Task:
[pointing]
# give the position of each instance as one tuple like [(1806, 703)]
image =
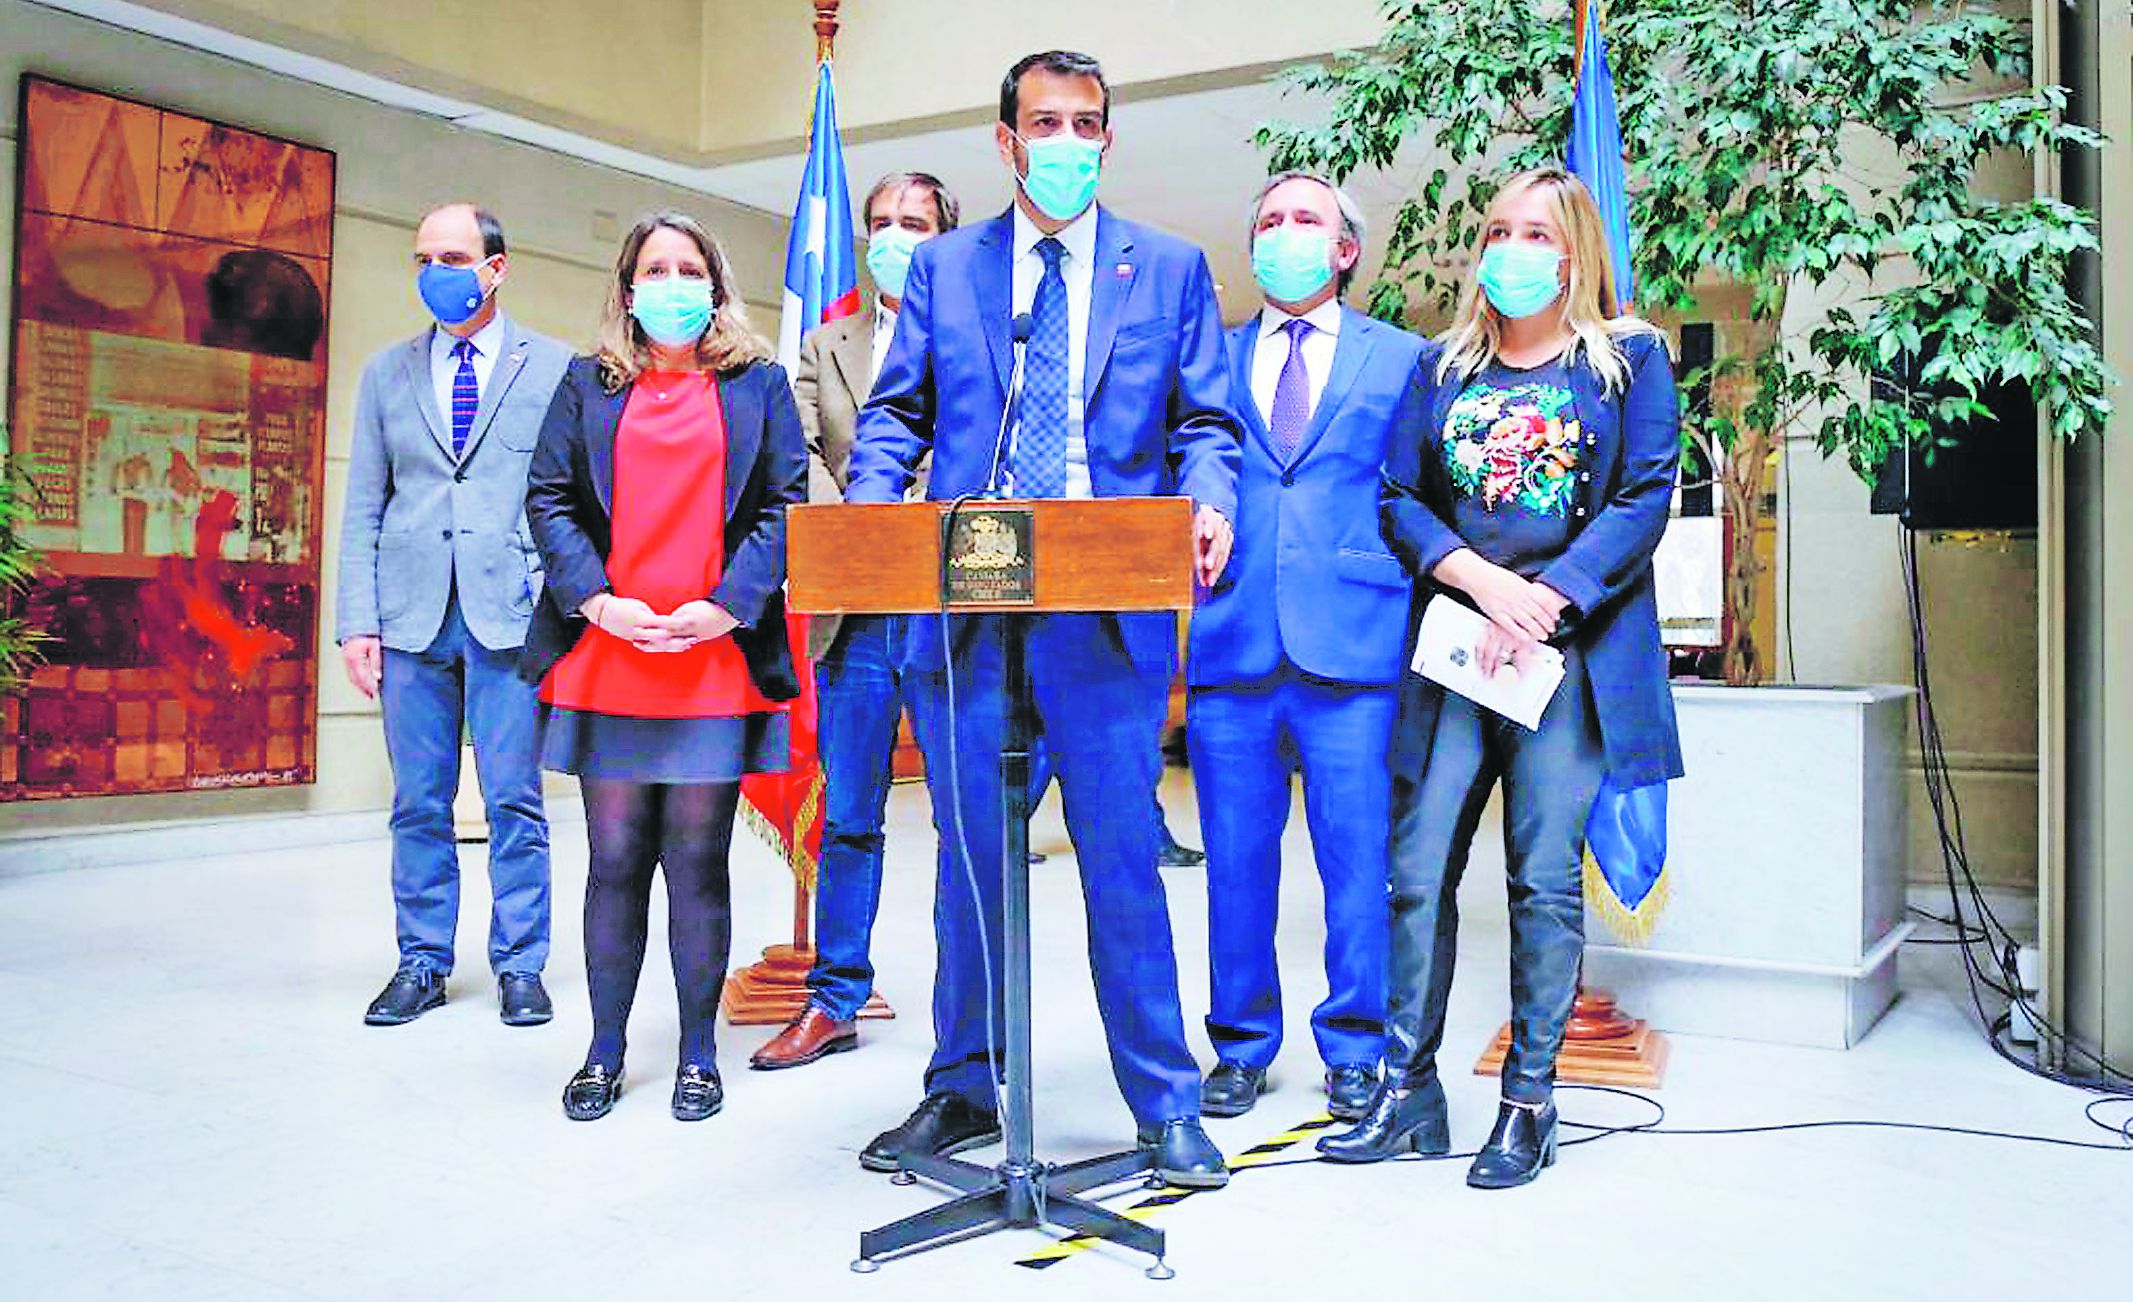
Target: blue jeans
[(860, 698), (427, 698), (1245, 738), (1099, 715)]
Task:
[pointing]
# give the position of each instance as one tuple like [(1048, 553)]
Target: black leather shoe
[(591, 1093), (522, 1000), (1231, 1089), (1173, 855), (698, 1092), (1185, 1156), (1520, 1146), (413, 991), (1402, 1119), (943, 1124), (1350, 1088)]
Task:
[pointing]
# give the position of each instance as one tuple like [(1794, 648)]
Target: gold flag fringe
[(797, 857), (1632, 926)]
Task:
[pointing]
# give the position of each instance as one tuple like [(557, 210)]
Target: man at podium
[(1125, 392)]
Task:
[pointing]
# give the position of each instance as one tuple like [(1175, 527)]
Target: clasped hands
[(646, 629), (1522, 612)]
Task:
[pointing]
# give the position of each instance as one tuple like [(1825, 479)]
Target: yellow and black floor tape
[(1170, 1195)]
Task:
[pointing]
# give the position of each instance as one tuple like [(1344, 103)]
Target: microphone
[(1020, 330)]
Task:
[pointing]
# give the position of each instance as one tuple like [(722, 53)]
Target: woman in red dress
[(657, 498)]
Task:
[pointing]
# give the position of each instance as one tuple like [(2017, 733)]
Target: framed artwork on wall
[(166, 411)]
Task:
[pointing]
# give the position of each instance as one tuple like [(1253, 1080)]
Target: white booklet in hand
[(1444, 653)]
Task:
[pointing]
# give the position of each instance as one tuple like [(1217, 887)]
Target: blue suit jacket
[(1310, 576), (1632, 452), (1158, 418)]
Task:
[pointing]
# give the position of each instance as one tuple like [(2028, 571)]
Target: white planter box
[(1786, 848)]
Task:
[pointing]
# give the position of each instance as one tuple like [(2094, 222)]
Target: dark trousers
[(1245, 738), (685, 829), (858, 686), (1099, 715), (1550, 778)]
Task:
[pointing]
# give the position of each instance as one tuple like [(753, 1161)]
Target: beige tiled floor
[(194, 1111)]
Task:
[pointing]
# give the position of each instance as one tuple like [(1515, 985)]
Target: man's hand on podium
[(1211, 538)]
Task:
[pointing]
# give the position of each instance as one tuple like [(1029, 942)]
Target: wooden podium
[(1008, 559)]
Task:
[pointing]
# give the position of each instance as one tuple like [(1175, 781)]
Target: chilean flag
[(821, 278), (821, 284)]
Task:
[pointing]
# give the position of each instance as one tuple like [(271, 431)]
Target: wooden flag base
[(774, 991), (1602, 1046)]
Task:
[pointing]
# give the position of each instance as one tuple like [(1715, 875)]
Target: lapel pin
[(1123, 270)]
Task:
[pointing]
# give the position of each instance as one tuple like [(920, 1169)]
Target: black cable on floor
[(1656, 1126)]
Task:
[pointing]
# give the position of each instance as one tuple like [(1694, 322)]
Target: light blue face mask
[(889, 258), (1520, 279), (1062, 174), (674, 310), (1291, 262)]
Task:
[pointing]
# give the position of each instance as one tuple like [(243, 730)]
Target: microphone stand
[(1020, 1192)]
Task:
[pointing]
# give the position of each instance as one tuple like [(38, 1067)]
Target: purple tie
[(1292, 393)]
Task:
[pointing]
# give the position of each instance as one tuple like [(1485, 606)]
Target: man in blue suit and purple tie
[(1126, 393), (1296, 658)]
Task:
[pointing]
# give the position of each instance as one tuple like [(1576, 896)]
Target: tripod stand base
[(1016, 1196)]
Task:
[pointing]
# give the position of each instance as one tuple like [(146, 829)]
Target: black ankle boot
[(1522, 1143), (1402, 1118)]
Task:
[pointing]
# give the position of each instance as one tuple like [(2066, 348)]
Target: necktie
[(466, 396), (1292, 393), (1040, 442)]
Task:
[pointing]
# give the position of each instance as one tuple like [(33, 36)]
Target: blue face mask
[(674, 310), (452, 294), (889, 258), (1520, 279), (1062, 174), (1291, 263)]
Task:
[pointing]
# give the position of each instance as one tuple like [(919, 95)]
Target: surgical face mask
[(1292, 262), (674, 310), (889, 258), (452, 294), (1520, 279), (1061, 179)]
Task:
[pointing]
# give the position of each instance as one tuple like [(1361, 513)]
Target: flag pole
[(826, 24)]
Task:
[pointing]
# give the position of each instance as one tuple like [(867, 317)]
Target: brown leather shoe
[(805, 1038)]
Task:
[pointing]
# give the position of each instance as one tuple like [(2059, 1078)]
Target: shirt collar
[(486, 340), (884, 316), (1079, 236), (1325, 318)]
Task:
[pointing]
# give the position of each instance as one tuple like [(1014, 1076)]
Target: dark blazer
[(570, 494), (1632, 452), (1309, 577), (1158, 418)]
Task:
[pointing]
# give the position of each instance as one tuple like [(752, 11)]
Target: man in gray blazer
[(858, 679), (438, 578)]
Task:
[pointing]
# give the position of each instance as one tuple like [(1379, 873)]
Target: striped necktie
[(466, 396)]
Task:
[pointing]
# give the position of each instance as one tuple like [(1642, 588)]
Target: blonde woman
[(657, 498), (1534, 493)]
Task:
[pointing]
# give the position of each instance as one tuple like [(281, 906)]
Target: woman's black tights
[(633, 827)]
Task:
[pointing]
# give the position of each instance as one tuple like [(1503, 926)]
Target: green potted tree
[(20, 642), (1787, 151)]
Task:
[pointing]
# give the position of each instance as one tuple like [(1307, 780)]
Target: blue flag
[(1596, 152), (821, 273), (1625, 839)]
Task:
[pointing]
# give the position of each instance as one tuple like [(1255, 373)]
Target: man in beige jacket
[(857, 657)]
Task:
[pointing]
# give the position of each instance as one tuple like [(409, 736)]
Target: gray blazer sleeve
[(370, 486)]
